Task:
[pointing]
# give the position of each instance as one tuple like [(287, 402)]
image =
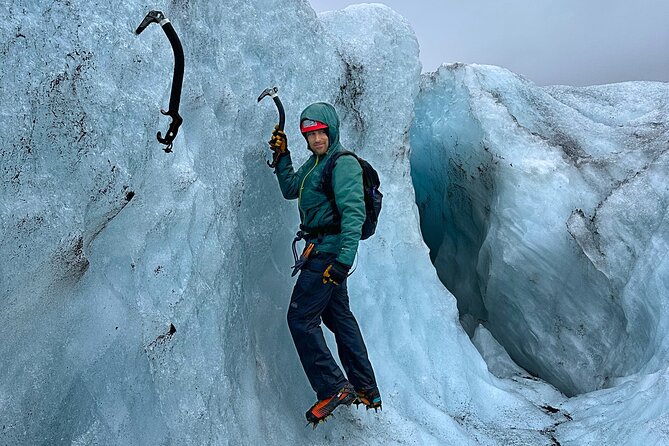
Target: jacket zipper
[(299, 198)]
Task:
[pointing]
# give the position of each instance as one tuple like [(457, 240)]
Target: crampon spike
[(315, 424)]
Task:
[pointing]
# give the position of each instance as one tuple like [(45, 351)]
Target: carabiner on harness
[(302, 259)]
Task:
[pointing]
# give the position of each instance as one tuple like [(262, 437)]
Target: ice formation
[(546, 213), (530, 177), (144, 294)]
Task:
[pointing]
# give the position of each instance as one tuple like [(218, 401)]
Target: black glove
[(336, 273), (279, 141)]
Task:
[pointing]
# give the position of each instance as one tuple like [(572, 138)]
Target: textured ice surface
[(546, 213), (144, 294)]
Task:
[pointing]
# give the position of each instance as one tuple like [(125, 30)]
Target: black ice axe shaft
[(272, 92), (177, 80)]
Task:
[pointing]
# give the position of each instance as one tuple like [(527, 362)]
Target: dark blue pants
[(311, 302)]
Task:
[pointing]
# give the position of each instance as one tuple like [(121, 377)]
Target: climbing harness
[(272, 92), (301, 260), (177, 81)]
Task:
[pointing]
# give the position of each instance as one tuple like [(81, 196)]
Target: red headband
[(309, 125)]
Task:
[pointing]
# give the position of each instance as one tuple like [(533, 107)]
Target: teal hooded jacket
[(314, 206)]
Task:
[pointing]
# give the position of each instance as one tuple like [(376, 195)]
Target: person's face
[(318, 141)]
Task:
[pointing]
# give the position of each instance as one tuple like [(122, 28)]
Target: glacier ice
[(533, 176), (545, 210), (144, 294)]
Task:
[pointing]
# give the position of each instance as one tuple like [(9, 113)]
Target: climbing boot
[(371, 398), (324, 408)]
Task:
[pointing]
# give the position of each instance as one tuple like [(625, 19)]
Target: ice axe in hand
[(272, 92), (177, 81)]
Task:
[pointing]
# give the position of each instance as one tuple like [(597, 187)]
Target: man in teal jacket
[(320, 292)]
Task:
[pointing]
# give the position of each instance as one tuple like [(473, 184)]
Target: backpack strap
[(326, 180)]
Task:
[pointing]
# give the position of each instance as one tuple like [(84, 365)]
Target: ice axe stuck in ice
[(177, 81), (272, 92)]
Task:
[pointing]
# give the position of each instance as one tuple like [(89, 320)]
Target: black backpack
[(370, 183)]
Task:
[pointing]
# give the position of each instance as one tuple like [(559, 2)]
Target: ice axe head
[(272, 91), (151, 17)]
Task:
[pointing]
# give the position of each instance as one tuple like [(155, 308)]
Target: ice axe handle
[(177, 78), (282, 114)]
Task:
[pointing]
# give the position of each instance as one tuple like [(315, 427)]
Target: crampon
[(371, 398), (323, 409)]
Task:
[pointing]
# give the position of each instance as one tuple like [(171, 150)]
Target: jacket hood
[(325, 113)]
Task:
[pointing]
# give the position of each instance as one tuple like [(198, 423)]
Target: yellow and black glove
[(336, 273), (279, 142)]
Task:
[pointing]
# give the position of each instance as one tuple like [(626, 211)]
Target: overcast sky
[(573, 42)]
